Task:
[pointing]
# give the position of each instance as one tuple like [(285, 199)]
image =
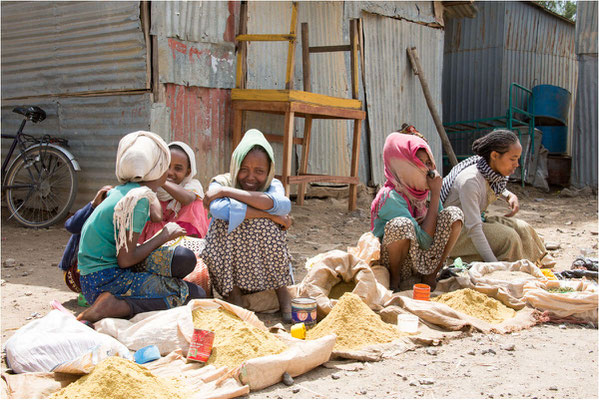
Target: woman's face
[(422, 155), (253, 171), (506, 163), (179, 167)]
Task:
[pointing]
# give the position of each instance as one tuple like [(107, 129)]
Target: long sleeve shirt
[(472, 193), (74, 226), (234, 211)]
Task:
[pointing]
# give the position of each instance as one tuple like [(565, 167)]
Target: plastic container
[(298, 331), (552, 104), (555, 138), (407, 323), (146, 354), (421, 292)]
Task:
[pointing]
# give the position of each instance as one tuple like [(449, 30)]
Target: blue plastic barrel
[(552, 104), (555, 138)]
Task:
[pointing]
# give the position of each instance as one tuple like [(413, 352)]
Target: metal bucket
[(555, 138)]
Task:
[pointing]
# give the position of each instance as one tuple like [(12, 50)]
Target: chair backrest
[(352, 47), (243, 38)]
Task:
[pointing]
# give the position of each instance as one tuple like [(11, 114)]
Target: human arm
[(471, 195), (155, 211), (283, 220), (75, 223), (179, 193), (397, 206), (132, 254), (429, 224), (512, 201)]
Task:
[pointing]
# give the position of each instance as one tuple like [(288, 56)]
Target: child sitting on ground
[(119, 277), (181, 196)]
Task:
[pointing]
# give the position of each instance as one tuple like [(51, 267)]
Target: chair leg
[(301, 190), (237, 122), (287, 148), (355, 161)]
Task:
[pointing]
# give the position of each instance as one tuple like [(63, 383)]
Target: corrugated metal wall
[(196, 63), (53, 50), (506, 42), (93, 125), (586, 127), (394, 94)]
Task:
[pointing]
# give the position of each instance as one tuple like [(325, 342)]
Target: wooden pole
[(417, 68)]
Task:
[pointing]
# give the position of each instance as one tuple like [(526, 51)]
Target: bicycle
[(40, 184)]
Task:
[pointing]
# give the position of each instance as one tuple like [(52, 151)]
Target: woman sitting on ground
[(246, 245), (119, 277), (181, 196), (477, 182), (416, 238)]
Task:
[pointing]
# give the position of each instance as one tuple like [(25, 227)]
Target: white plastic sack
[(55, 339)]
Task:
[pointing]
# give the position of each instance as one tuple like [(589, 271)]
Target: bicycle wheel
[(41, 186)]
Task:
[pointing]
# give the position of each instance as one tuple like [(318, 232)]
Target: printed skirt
[(254, 256), (419, 261), (151, 279)]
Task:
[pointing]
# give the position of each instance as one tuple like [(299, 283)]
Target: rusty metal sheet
[(93, 125), (56, 48), (200, 117), (393, 92), (196, 21), (586, 27), (196, 64), (415, 11)]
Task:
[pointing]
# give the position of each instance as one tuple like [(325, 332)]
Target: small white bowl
[(407, 323)]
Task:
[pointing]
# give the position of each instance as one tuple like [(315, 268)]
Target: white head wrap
[(141, 157), (188, 183)]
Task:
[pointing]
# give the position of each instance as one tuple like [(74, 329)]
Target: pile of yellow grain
[(118, 378), (476, 304), (235, 341), (355, 325)]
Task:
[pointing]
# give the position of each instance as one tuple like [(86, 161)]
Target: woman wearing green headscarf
[(246, 244)]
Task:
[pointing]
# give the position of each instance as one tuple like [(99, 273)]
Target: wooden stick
[(417, 68)]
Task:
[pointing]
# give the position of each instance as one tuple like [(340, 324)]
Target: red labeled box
[(200, 347)]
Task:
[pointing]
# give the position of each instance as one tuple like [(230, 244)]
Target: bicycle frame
[(16, 141)]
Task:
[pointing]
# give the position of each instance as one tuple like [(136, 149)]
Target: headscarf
[(405, 174), (188, 183), (497, 181), (252, 138), (141, 156)]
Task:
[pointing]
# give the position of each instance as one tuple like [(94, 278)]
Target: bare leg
[(284, 303), (431, 279), (398, 251), (234, 297), (106, 306)]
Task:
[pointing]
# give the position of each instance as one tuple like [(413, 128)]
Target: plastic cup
[(421, 292), (407, 323)]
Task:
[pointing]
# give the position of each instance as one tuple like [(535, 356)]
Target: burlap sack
[(328, 269), (581, 304), (442, 317)]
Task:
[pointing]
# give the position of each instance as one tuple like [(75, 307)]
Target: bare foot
[(105, 306), (234, 297)]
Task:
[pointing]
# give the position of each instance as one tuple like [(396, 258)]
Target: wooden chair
[(296, 103)]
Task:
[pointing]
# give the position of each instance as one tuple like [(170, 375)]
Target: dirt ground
[(548, 361)]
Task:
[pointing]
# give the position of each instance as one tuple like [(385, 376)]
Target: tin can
[(303, 309), (200, 347)]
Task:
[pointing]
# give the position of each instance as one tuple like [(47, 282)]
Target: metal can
[(303, 309)]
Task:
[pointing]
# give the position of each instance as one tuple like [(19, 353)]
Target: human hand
[(213, 193), (434, 181), (512, 200), (100, 196), (172, 231), (284, 220)]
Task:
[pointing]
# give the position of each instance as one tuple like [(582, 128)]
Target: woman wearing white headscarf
[(181, 196), (120, 278), (246, 245)]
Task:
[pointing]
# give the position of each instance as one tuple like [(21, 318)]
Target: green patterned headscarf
[(252, 138)]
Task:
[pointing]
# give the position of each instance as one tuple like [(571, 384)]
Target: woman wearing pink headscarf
[(416, 237)]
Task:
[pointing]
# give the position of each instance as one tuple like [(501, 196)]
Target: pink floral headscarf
[(405, 174)]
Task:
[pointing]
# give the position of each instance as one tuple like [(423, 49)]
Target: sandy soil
[(548, 361)]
